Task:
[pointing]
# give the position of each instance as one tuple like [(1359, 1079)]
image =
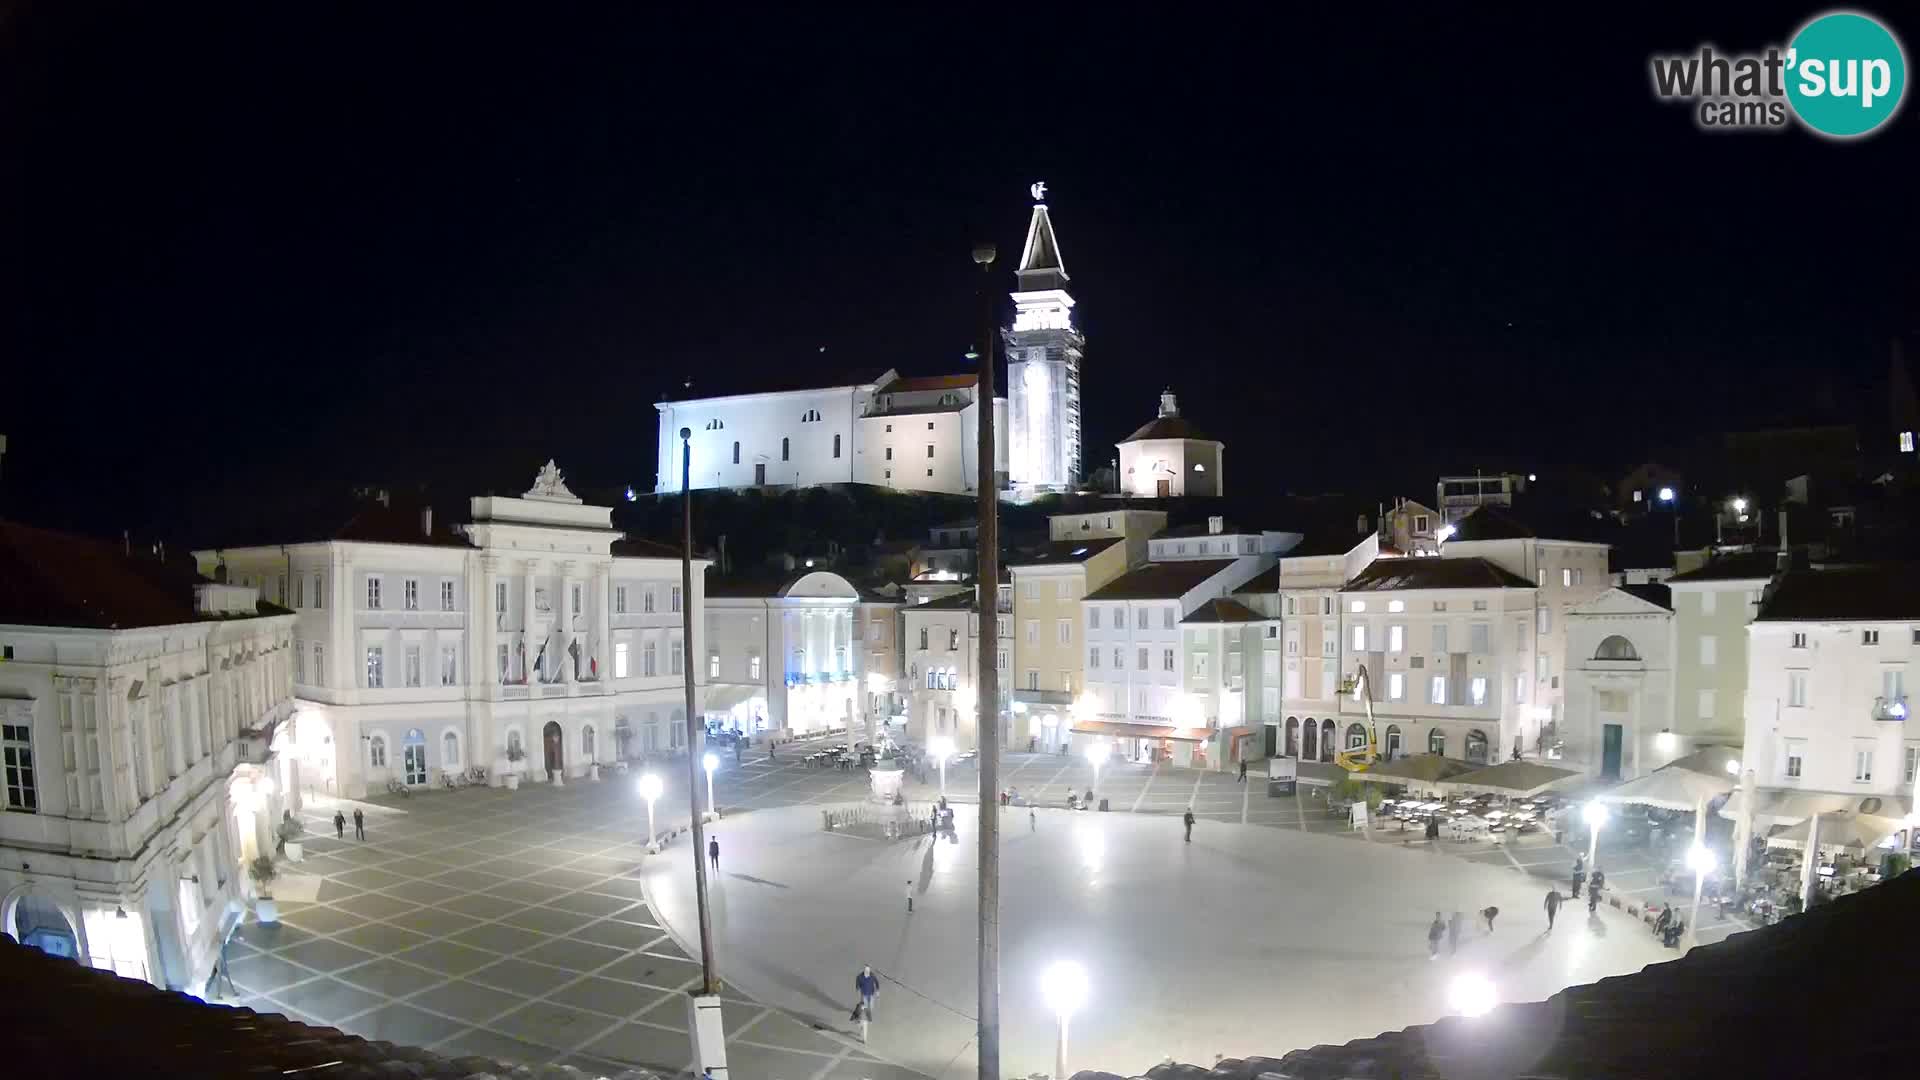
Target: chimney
[(426, 522), (1168, 407), (1216, 525)]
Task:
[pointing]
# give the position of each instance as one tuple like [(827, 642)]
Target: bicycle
[(477, 776), (396, 786)]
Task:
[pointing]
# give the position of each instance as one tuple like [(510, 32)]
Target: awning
[(1715, 761), (1778, 807), (1860, 832), (724, 696), (1237, 732), (1114, 730), (1510, 778), (1670, 788), (1414, 770)]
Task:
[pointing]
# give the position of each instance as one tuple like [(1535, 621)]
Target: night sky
[(291, 250)]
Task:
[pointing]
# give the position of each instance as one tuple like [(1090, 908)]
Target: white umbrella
[(1670, 788), (1857, 831), (1512, 778)]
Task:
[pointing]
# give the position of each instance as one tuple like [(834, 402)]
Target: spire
[(1040, 264), (1167, 405)]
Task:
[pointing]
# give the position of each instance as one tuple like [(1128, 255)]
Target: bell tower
[(1044, 353)]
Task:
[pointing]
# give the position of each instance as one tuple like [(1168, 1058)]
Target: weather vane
[(1039, 190)]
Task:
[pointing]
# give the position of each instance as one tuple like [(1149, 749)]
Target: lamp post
[(1097, 753), (650, 790), (1064, 985), (1595, 815), (711, 763), (704, 1022), (941, 747), (987, 686), (1700, 858)]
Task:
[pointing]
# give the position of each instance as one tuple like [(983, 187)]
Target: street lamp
[(1739, 505), (649, 785), (1097, 756), (711, 764), (941, 747), (1700, 859), (1471, 994), (1595, 815), (1666, 494), (1064, 985), (1733, 766)]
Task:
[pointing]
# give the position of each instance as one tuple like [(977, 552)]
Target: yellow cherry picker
[(1358, 758)]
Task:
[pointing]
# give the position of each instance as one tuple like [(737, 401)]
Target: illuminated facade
[(1044, 353), (1167, 458)]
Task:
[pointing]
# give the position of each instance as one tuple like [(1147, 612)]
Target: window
[(1440, 638), (1396, 686), (412, 665), (16, 749), (1359, 638), (650, 660), (299, 591), (1200, 665), (1437, 690), (1166, 659), (1033, 631), (1289, 605), (1477, 690), (673, 598), (1396, 606), (376, 667), (410, 594), (1032, 591), (1478, 636), (836, 445), (1140, 618), (1797, 689), (753, 666), (1862, 761), (953, 638), (676, 657), (1093, 658), (1396, 638), (619, 599), (1709, 650), (1065, 589), (1540, 577), (1439, 605), (373, 593), (786, 449), (377, 752), (1066, 631), (500, 598), (1479, 605), (889, 455), (501, 661), (446, 596), (1520, 689), (1893, 684), (319, 664), (646, 601), (1912, 763), (1437, 742), (1093, 618), (1293, 646), (1540, 666), (1705, 709), (1869, 637), (1708, 601), (1118, 659), (1357, 606), (1566, 578), (1329, 642), (1545, 620), (1143, 659), (1793, 758), (319, 594), (736, 451), (924, 633), (1906, 442), (449, 751), (1033, 677)]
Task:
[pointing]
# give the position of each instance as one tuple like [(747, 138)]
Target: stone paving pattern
[(512, 924)]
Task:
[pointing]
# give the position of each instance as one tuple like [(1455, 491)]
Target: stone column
[(603, 621), (486, 622), (530, 569), (563, 618)]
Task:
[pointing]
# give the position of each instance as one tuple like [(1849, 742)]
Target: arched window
[(923, 637), (836, 445), (513, 740), (1293, 736), (377, 752), (1393, 741), (1616, 647), (736, 451), (586, 742), (449, 751), (716, 425), (1326, 740), (1356, 737), (786, 449), (1437, 742), (1477, 746)]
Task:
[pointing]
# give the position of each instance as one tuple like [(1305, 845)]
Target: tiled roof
[(1063, 552), (1491, 523), (1161, 581), (82, 1021), (1267, 581), (1729, 1009), (960, 601), (1167, 427), (1888, 593), (1224, 611), (1739, 566), (912, 384), (52, 578), (1385, 574), (635, 547), (397, 522)]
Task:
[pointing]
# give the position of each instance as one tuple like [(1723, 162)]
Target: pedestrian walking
[(1489, 913), (1434, 933), (1553, 906), (1454, 926), (1033, 820), (1189, 820), (1579, 877), (339, 825), (713, 853), (359, 825), (1243, 771), (868, 985), (909, 896)]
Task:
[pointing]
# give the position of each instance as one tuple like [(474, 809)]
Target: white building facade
[(943, 665), (140, 725), (1167, 458), (784, 660), (533, 640), (1620, 721)]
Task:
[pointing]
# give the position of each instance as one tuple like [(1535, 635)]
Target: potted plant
[(263, 872), (515, 755), (291, 830)]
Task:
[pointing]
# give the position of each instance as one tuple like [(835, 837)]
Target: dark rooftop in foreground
[(1160, 581), (1738, 566), (50, 578), (1889, 592), (1802, 998), (1266, 581), (1222, 610), (1063, 551), (1430, 573)]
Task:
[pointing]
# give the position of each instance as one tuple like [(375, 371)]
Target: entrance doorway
[(413, 757), (1273, 740), (1610, 740), (550, 739), (1326, 740), (760, 474), (1309, 737), (38, 923), (1163, 487)]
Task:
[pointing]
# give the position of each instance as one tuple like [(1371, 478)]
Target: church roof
[(1040, 264), (1167, 427), (911, 384)]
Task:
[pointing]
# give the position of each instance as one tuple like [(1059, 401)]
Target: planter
[(266, 911), (593, 772), (295, 851), (513, 781), (557, 777)]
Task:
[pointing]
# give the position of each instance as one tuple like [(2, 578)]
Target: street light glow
[(1064, 985), (1666, 494), (1700, 859), (1097, 752), (1739, 506), (1471, 994), (649, 786), (1595, 814), (710, 762), (1733, 766)]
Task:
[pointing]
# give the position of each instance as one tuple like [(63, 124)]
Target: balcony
[(1042, 697), (1894, 709)]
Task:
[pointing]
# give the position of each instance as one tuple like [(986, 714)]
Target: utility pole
[(987, 699), (703, 1008)]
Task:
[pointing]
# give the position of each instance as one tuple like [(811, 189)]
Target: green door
[(1610, 751)]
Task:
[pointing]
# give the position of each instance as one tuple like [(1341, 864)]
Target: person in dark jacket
[(359, 825), (868, 984), (1434, 933), (1188, 818), (1553, 906), (713, 853), (339, 825)]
